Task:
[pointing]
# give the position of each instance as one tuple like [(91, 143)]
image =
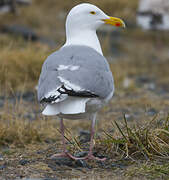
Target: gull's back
[(77, 72)]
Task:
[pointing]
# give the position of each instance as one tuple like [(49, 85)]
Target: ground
[(132, 130)]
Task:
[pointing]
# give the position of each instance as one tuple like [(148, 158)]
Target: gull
[(76, 81), (153, 14)]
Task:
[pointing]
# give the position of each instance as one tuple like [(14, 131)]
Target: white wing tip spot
[(69, 67), (69, 84)]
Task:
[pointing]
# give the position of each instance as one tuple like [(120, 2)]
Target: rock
[(142, 79), (23, 31), (116, 165), (29, 96), (151, 86), (146, 82), (27, 33), (152, 112), (129, 117), (23, 162), (153, 14), (38, 179), (81, 163), (1, 157), (2, 167), (127, 82), (24, 2), (2, 100), (98, 155), (84, 136), (11, 5), (4, 9), (63, 161), (81, 154)]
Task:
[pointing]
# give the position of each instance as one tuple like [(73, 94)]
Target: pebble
[(127, 82), (2, 167), (1, 157), (81, 154), (152, 112), (121, 166), (82, 163), (1, 101), (63, 161), (38, 179), (129, 117), (25, 32), (84, 136), (23, 162), (143, 79)]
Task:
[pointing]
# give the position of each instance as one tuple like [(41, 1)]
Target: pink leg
[(66, 154), (90, 154)]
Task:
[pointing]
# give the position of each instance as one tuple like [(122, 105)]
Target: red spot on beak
[(118, 24)]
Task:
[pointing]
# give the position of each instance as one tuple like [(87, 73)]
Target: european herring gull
[(76, 81), (153, 14)]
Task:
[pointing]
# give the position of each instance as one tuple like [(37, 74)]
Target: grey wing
[(65, 73), (95, 81), (52, 88)]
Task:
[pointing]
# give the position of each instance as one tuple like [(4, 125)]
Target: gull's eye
[(93, 12)]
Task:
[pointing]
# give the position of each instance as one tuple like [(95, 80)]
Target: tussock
[(147, 141)]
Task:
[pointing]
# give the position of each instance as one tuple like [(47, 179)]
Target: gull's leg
[(64, 153), (90, 154), (63, 136)]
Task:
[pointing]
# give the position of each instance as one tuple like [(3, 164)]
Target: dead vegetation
[(146, 141)]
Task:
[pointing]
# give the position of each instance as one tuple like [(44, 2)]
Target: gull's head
[(87, 16)]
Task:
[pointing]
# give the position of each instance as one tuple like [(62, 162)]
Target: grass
[(17, 130), (144, 141), (148, 141), (150, 170), (20, 62)]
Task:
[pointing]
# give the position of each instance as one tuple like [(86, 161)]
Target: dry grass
[(148, 141), (20, 64), (17, 129)]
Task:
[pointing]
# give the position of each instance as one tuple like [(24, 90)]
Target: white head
[(83, 21)]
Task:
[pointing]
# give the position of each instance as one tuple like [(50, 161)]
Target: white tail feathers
[(72, 105)]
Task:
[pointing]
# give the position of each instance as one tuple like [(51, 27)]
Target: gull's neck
[(83, 37)]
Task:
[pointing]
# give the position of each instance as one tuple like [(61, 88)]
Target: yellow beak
[(115, 22)]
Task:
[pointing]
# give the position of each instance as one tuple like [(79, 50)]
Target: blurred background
[(30, 30)]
